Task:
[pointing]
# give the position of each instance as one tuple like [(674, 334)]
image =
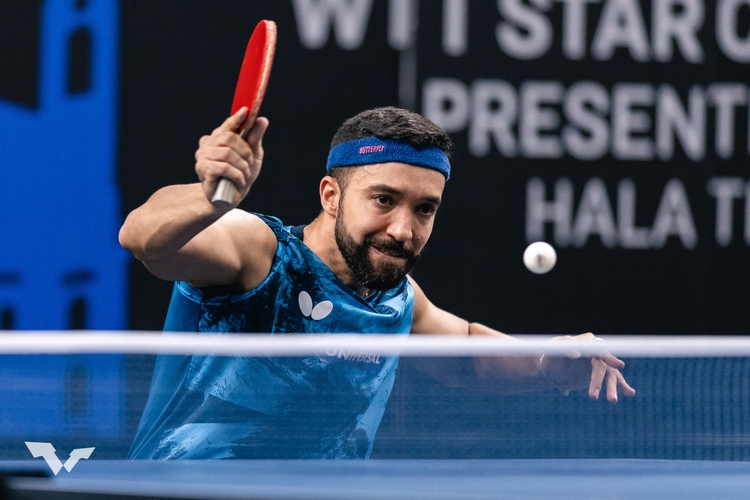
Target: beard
[(381, 276)]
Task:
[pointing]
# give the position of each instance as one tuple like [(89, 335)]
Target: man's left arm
[(514, 374)]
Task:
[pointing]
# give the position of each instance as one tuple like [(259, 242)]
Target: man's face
[(384, 219)]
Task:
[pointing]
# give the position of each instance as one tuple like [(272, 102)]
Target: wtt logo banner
[(47, 452)]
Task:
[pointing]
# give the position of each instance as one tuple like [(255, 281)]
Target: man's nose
[(400, 225)]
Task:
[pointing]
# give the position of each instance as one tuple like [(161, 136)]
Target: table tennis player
[(346, 271)]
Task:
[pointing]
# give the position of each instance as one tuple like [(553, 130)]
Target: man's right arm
[(179, 235)]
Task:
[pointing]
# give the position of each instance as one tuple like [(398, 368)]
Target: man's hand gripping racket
[(251, 86)]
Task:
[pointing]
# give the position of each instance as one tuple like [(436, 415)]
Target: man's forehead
[(399, 175)]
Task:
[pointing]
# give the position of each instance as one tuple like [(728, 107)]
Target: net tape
[(80, 342)]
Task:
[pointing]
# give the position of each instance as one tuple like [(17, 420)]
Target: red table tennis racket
[(251, 86)]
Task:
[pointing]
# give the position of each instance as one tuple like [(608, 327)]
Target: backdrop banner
[(616, 130)]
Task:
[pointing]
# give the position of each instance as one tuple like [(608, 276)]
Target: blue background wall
[(60, 264)]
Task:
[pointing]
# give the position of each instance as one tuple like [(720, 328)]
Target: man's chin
[(386, 279)]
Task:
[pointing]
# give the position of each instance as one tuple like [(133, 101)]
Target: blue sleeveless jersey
[(327, 406)]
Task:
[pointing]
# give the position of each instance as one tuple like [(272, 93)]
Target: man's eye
[(383, 200), (426, 209)]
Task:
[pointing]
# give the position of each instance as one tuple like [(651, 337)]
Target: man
[(344, 272)]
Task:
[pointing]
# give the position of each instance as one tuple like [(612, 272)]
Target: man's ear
[(330, 193)]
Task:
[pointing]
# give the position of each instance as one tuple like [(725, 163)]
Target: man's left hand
[(575, 372)]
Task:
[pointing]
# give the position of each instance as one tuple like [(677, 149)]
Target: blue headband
[(370, 150)]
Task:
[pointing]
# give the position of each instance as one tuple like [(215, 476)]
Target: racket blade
[(250, 89)]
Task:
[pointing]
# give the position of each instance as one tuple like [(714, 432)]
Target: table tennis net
[(89, 389)]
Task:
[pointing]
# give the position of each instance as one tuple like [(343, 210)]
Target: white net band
[(47, 342)]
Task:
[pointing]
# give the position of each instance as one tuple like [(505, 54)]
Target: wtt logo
[(47, 452)]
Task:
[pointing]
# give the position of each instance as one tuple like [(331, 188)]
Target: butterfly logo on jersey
[(320, 311)]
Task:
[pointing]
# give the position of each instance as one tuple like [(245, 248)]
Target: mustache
[(389, 246)]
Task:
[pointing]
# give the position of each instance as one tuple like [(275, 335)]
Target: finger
[(605, 356), (211, 171), (237, 154), (234, 122), (585, 336), (598, 370), (255, 137), (612, 379), (561, 338), (626, 389), (227, 138), (612, 361), (235, 143), (229, 156), (572, 354)]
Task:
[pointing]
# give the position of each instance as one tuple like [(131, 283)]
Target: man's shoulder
[(250, 223), (280, 230), (269, 220)]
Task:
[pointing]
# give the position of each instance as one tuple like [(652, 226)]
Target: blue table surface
[(610, 479)]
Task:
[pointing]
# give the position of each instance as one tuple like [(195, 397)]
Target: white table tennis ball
[(539, 257)]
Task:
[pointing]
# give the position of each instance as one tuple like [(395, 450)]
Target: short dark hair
[(396, 124), (389, 123)]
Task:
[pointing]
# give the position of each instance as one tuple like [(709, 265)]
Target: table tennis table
[(610, 479)]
